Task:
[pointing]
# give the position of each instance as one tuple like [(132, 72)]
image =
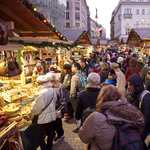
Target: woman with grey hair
[(44, 107)]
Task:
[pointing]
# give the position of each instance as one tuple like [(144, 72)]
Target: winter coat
[(42, 99), (67, 84), (91, 92), (36, 72), (62, 76), (132, 67), (103, 75), (75, 84), (137, 82), (144, 76), (140, 65), (61, 93), (100, 130), (121, 82), (86, 70)]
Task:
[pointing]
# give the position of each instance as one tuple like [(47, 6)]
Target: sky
[(105, 9)]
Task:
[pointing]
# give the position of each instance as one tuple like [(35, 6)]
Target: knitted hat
[(42, 79), (93, 78), (112, 72), (66, 66), (114, 66), (120, 59), (38, 63), (50, 76)]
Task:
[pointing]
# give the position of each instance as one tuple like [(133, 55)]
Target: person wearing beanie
[(61, 105), (120, 61), (112, 78), (121, 80), (38, 69), (104, 72), (67, 85), (140, 63), (96, 68), (44, 107), (88, 97)]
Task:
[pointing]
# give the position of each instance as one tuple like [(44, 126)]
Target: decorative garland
[(80, 37), (43, 19), (135, 33), (44, 44), (19, 61)]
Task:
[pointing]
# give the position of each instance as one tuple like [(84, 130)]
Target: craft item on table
[(2, 104), (17, 119), (12, 82)]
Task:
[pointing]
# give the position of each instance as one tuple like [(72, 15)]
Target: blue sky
[(105, 9)]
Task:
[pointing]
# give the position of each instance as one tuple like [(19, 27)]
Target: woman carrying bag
[(44, 107)]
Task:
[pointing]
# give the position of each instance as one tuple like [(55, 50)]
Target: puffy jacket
[(42, 99), (61, 94), (91, 91), (137, 82), (86, 70)]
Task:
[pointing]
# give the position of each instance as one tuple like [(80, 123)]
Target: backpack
[(3, 34), (126, 138), (83, 81), (141, 98)]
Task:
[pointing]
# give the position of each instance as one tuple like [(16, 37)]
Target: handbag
[(58, 114), (3, 34), (35, 117), (86, 112), (9, 68)]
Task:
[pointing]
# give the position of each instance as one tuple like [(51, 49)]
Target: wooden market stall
[(138, 38), (28, 31), (81, 42)]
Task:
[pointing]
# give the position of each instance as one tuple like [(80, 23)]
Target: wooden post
[(40, 54), (22, 76)]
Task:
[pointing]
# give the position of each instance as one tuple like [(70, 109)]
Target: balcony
[(127, 15)]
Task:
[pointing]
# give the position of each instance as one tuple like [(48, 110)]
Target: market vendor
[(38, 69)]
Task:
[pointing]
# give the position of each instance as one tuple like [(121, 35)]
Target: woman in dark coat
[(104, 72)]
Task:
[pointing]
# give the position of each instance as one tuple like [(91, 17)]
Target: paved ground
[(71, 140)]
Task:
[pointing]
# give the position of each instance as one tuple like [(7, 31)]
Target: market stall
[(81, 42), (139, 38)]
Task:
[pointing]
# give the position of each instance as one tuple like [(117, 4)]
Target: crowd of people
[(112, 87)]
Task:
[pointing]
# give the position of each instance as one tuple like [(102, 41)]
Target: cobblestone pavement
[(71, 140)]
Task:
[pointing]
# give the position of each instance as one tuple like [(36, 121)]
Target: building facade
[(130, 14), (54, 11), (76, 14)]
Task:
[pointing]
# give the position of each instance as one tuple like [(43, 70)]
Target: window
[(148, 11), (137, 11), (148, 21), (137, 21), (143, 11), (143, 21), (127, 21), (67, 15), (67, 24), (77, 16), (127, 11), (127, 31), (140, 0), (67, 5), (77, 6), (148, 0), (77, 25)]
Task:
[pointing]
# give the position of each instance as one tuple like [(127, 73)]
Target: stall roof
[(94, 41), (38, 40), (72, 35), (142, 32), (24, 20), (103, 42), (11, 47)]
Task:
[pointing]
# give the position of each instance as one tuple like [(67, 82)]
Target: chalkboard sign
[(76, 56)]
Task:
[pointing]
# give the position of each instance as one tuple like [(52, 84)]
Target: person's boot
[(76, 130)]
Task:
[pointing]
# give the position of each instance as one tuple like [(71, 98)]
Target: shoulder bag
[(35, 118)]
